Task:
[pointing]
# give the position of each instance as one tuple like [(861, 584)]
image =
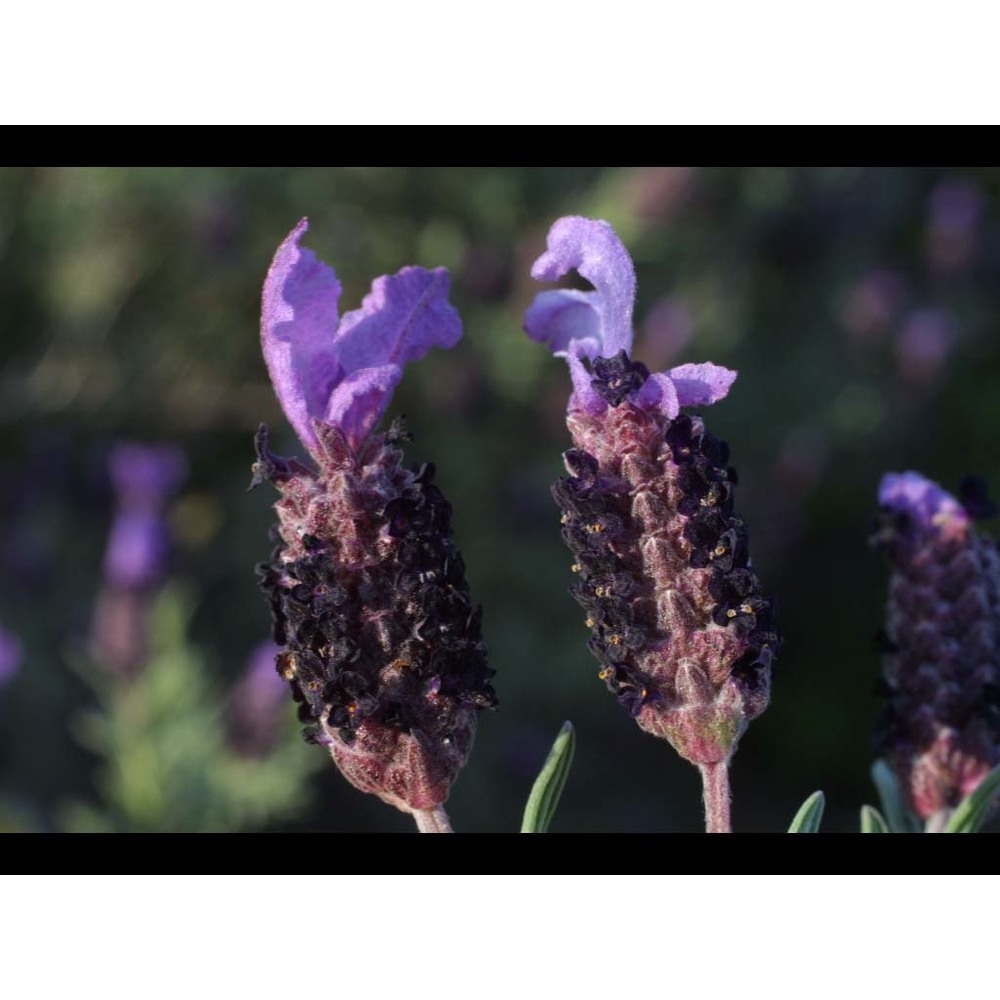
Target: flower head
[(678, 623), (941, 649), (382, 646)]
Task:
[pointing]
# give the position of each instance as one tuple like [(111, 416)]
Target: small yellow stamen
[(605, 673), (720, 550), (590, 623), (575, 568), (615, 640), (564, 519), (731, 613)]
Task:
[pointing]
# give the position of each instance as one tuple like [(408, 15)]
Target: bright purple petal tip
[(342, 372), (591, 247), (921, 498), (298, 323), (701, 385)]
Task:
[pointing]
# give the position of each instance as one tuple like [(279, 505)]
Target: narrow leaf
[(897, 814), (808, 818), (872, 821), (974, 809), (548, 785)]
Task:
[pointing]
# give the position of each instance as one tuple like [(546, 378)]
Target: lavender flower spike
[(382, 646), (940, 730), (678, 622)]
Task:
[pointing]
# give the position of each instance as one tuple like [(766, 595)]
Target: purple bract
[(341, 371), (589, 325)]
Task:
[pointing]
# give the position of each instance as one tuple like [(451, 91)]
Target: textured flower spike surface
[(940, 730), (383, 648), (678, 622)]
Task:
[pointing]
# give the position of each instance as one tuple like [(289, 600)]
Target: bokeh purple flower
[(678, 622), (11, 655), (136, 560), (940, 730), (382, 646), (923, 343), (955, 210), (258, 703)]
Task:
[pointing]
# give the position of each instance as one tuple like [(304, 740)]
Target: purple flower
[(598, 325), (336, 372), (258, 700), (955, 211), (940, 730), (923, 344), (678, 623), (144, 478), (382, 646), (11, 655)]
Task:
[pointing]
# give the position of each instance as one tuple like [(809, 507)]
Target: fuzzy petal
[(591, 247), (563, 317), (658, 392), (400, 320), (584, 396), (298, 324), (921, 498), (358, 402), (701, 385)]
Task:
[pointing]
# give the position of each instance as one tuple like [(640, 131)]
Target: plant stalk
[(715, 779), (432, 820)]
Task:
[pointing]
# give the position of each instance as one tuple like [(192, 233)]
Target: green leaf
[(872, 821), (807, 819), (974, 809), (894, 809), (548, 785)]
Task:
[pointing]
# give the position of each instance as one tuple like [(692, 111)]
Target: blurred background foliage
[(859, 305)]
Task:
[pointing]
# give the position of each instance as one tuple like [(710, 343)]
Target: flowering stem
[(715, 779), (432, 820)]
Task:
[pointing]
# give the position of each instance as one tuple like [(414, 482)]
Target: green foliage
[(549, 784), (810, 814), (168, 765), (976, 807), (872, 821), (898, 816)]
